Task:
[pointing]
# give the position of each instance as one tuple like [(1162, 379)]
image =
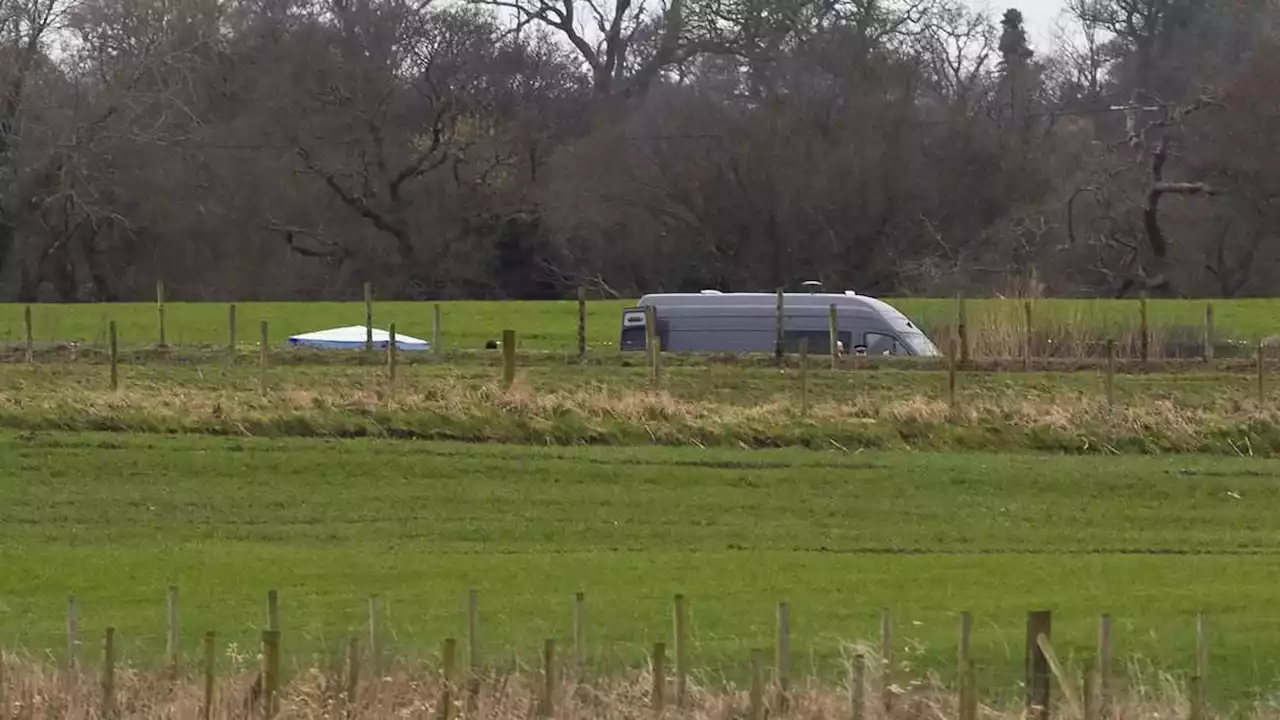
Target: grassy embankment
[(700, 405), (114, 519)]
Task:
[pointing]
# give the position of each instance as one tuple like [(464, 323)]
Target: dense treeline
[(517, 148)]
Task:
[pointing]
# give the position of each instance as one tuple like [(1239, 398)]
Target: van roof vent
[(710, 292), (850, 293), (813, 286)]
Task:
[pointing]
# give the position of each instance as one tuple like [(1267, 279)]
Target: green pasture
[(553, 325), (114, 519)]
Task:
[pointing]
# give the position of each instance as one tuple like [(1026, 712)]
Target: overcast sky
[(1038, 16)]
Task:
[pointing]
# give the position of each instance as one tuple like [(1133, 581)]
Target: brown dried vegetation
[(1054, 418), (40, 690)]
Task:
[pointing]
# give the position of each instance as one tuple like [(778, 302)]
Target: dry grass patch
[(35, 689), (449, 408)]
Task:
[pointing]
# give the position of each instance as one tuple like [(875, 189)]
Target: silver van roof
[(718, 298), (759, 299)]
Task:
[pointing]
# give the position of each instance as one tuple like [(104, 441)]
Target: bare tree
[(958, 46), (1081, 54), (617, 27), (1147, 249), (24, 27), (116, 83)]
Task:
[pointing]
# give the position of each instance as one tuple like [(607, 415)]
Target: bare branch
[(426, 161), (355, 202), (289, 234), (1184, 188)]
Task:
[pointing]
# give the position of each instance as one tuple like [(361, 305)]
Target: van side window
[(633, 333), (882, 344), (819, 340), (633, 338)]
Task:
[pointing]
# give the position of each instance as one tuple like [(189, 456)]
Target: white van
[(716, 322)]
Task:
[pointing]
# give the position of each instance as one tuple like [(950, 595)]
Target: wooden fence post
[(351, 692), (273, 610), (1262, 371), (231, 331), (449, 660), (783, 660), (582, 322), (1110, 377), (886, 663), (658, 693), (650, 323), (1027, 341), (968, 693), (757, 684), (375, 636), (508, 358), (473, 629), (210, 661), (651, 342), (1144, 329), (115, 355), (833, 335), (1037, 676), (681, 621), (951, 371), (30, 333), (579, 629), (368, 317), (857, 685), (804, 377), (1208, 332), (270, 673), (1104, 666), (777, 345), (962, 328), (262, 355), (548, 678), (473, 651), (73, 631), (173, 639), (1202, 645), (1199, 686), (160, 311), (391, 352), (109, 673), (437, 334), (657, 361)]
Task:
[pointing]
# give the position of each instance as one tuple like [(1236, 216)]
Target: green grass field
[(553, 325), (1152, 509), (115, 518)]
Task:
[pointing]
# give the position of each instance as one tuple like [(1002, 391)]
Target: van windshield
[(919, 344)]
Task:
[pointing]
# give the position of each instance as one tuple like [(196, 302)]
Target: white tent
[(353, 337)]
